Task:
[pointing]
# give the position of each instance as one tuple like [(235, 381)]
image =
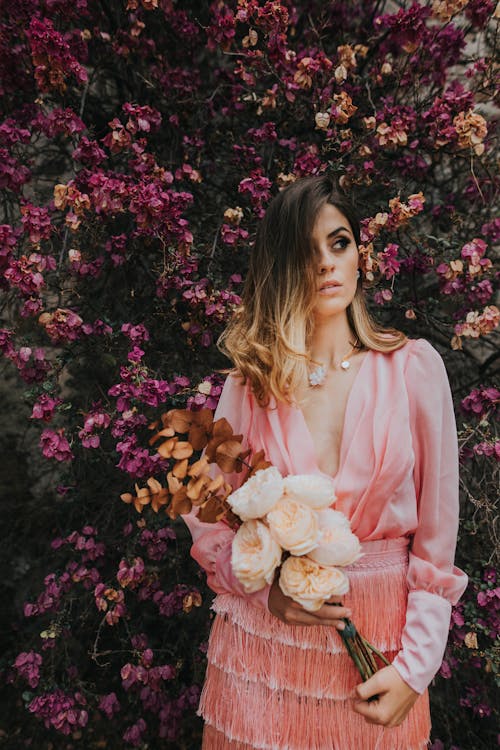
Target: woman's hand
[(292, 613), (394, 701)]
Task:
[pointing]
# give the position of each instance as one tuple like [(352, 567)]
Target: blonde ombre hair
[(268, 336)]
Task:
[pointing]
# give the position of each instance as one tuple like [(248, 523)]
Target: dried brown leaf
[(229, 456), (160, 499), (205, 418), (180, 419), (213, 510), (201, 429), (143, 493), (180, 469), (196, 486), (216, 483), (166, 432), (154, 484), (166, 448), (221, 431), (174, 483), (182, 449), (199, 467), (180, 504), (198, 437), (258, 461)]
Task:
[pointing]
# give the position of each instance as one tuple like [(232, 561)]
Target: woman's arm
[(212, 542), (434, 582)]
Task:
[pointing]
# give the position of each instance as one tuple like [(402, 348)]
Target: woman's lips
[(328, 289)]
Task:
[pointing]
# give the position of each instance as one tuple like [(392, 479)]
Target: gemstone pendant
[(345, 364), (317, 376)]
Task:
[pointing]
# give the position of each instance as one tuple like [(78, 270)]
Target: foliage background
[(140, 143)]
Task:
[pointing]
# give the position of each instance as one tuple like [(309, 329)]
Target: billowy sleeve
[(212, 542), (434, 582)]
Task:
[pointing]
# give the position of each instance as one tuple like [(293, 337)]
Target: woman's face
[(336, 261)]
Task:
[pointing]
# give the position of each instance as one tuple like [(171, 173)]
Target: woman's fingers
[(291, 612), (328, 614), (333, 611)]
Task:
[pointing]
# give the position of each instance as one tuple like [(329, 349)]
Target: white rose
[(337, 544), (293, 526), (314, 490), (311, 584), (258, 494), (255, 555)]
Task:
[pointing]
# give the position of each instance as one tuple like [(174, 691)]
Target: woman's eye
[(341, 242)]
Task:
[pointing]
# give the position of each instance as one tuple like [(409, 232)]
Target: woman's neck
[(331, 340)]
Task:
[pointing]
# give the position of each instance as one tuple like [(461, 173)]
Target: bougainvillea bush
[(140, 142)]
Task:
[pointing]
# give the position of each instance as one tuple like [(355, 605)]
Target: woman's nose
[(325, 263)]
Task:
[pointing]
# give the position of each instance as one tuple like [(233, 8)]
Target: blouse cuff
[(424, 638), (226, 579), (212, 550), (447, 582)]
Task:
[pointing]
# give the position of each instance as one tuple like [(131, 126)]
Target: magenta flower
[(60, 711), (134, 733), (28, 666), (131, 575), (44, 407), (137, 334), (109, 704), (388, 263), (55, 445)]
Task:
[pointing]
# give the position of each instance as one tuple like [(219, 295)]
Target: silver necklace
[(318, 375)]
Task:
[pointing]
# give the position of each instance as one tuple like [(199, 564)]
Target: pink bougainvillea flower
[(54, 444)]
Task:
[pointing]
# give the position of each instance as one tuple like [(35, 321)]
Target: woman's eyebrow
[(336, 231)]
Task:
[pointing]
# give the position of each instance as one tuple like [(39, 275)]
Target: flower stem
[(361, 651)]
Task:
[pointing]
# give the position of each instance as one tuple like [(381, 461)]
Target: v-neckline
[(312, 447)]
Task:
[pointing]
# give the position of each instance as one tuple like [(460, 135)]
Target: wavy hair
[(267, 338)]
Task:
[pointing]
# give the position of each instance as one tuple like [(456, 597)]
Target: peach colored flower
[(294, 526), (337, 544), (471, 129), (311, 584), (313, 490), (258, 495), (342, 108), (322, 120), (446, 9), (255, 555)]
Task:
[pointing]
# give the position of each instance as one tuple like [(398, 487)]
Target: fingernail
[(340, 626), (348, 613)]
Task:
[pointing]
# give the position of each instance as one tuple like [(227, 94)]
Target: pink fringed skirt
[(274, 686)]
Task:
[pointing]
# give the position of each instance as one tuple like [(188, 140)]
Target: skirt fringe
[(272, 686)]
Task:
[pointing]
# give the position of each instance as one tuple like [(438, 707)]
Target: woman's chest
[(324, 412)]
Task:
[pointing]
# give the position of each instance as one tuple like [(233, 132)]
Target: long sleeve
[(434, 582), (212, 542)]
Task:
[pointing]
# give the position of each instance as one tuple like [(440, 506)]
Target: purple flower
[(60, 711), (134, 733), (28, 666), (55, 445), (44, 406), (137, 334), (109, 704)]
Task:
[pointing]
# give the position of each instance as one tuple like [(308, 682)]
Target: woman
[(327, 390)]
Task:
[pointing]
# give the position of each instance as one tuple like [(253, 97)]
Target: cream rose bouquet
[(288, 523), (284, 523)]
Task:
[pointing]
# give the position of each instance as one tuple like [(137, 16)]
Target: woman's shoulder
[(424, 364), (423, 348), (418, 347), (415, 355)]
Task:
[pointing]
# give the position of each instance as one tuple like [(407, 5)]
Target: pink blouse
[(397, 476)]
